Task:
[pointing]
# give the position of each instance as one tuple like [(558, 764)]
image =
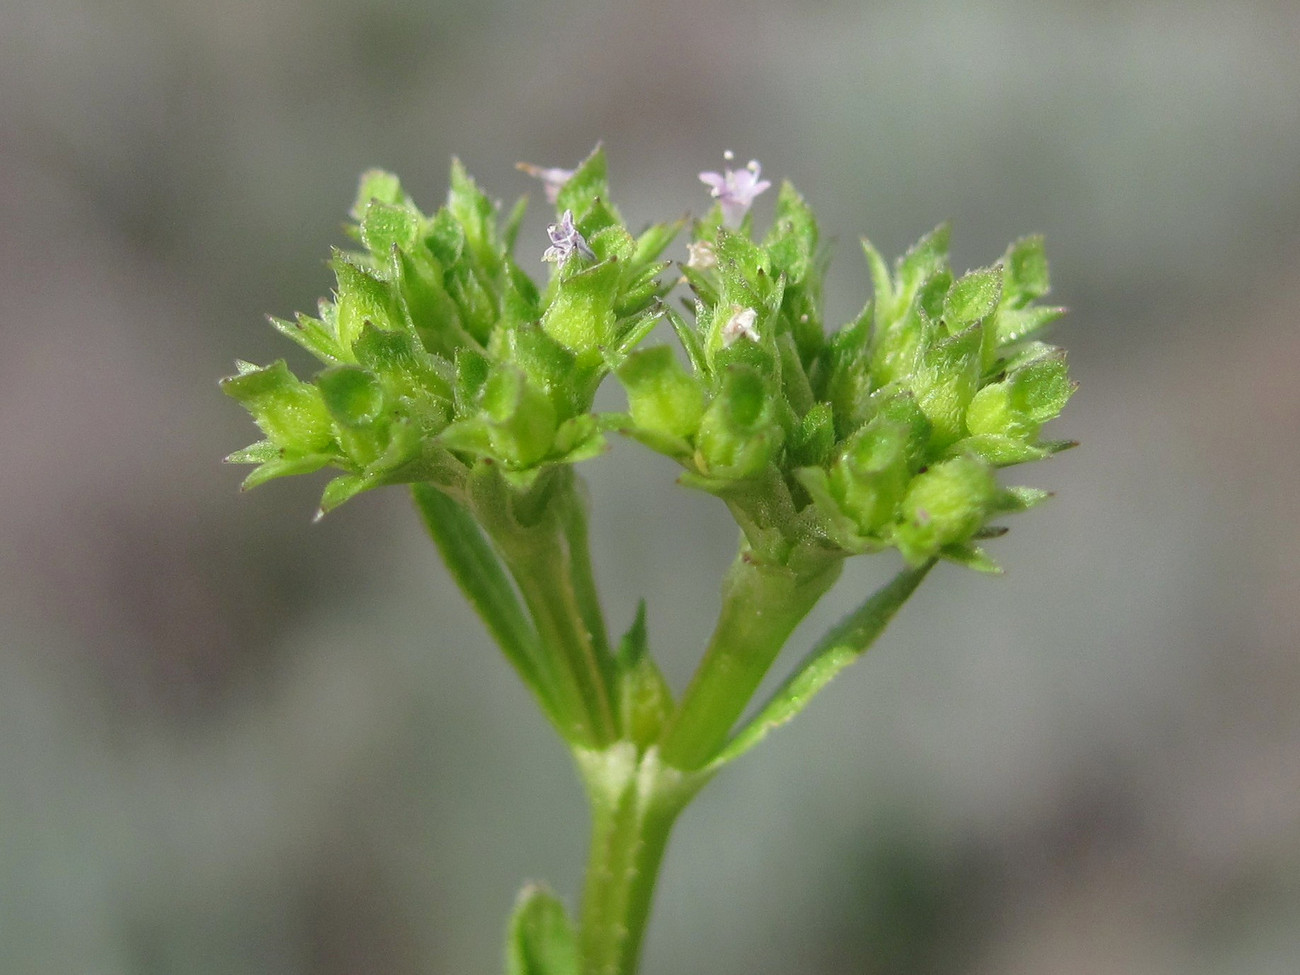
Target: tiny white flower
[(553, 179), (702, 255), (565, 239), (736, 189), (743, 321)]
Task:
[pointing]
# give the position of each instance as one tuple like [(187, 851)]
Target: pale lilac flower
[(735, 189), (743, 321), (565, 239), (553, 179), (701, 255)]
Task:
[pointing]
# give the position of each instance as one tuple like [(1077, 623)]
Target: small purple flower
[(743, 321), (553, 179), (735, 189), (565, 239)]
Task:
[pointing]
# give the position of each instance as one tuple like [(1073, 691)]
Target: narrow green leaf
[(842, 645), (479, 573)]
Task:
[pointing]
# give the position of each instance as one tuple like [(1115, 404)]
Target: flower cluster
[(442, 355), (885, 433)]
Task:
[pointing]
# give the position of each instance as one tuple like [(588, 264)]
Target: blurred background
[(235, 742)]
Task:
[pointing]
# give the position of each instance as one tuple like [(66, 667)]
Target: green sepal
[(1017, 407), (577, 439), (661, 443), (631, 332), (998, 450), (924, 260), (690, 340), (813, 438), (520, 301), (588, 184), (540, 939), (970, 557), (791, 243), (1017, 324), (445, 238), (946, 378), (640, 287), (313, 336), (653, 240), (474, 300), (581, 316), (1014, 499), (549, 366), (362, 297), (972, 298), (514, 221), (471, 369), (872, 472), (610, 241), (289, 411), (745, 274), (343, 488), (476, 216), (377, 184), (830, 518), (404, 366), (385, 226), (895, 345), (1027, 277), (429, 309), (274, 462)]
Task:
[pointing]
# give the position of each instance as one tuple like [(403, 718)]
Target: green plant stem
[(761, 605), (474, 565), (541, 564), (573, 518), (635, 800), (548, 559)]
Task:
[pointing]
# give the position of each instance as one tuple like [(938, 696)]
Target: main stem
[(634, 802)]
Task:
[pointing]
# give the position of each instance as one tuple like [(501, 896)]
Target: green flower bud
[(353, 396), (1018, 406), (871, 474), (661, 395), (945, 505), (945, 380), (521, 419), (738, 435)]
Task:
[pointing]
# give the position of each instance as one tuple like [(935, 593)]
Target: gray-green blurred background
[(234, 742)]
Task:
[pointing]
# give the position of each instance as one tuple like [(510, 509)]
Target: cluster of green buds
[(446, 367), (441, 353), (885, 433)]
